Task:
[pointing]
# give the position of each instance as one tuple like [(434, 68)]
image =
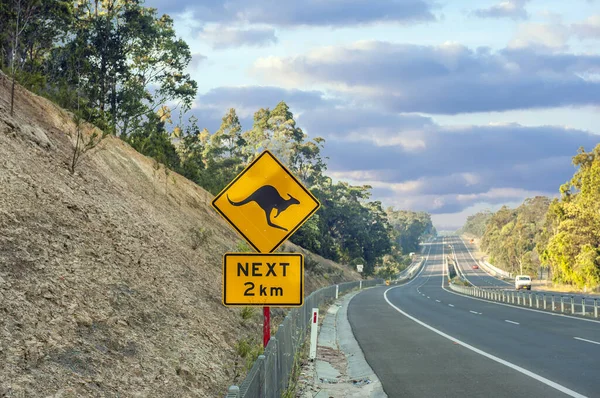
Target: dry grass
[(103, 290)]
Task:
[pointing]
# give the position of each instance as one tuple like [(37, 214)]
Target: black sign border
[(224, 298), (293, 231)]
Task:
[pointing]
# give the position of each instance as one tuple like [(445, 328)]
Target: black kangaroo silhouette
[(268, 198)]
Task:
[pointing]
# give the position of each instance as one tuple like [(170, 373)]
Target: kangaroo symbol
[(268, 198)]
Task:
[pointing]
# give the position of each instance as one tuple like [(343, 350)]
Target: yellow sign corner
[(265, 203), (256, 279)]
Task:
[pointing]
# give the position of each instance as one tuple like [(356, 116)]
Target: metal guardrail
[(494, 270), (269, 376), (566, 304)]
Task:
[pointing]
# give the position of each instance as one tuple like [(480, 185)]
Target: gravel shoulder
[(340, 369)]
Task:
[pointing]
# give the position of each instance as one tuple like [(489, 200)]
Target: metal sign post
[(265, 204), (266, 325)]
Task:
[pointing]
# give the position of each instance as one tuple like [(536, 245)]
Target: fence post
[(360, 285), (553, 305), (537, 301), (562, 304), (233, 392), (530, 300), (337, 290), (518, 299), (572, 305), (583, 306), (595, 308), (544, 299), (262, 375), (512, 297)]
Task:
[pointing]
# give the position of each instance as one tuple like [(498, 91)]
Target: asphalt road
[(480, 278), (423, 340)]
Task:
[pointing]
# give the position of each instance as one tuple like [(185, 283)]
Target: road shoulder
[(340, 369)]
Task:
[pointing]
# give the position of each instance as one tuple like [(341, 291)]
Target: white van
[(523, 281)]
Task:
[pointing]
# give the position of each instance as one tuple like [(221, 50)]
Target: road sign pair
[(265, 204)]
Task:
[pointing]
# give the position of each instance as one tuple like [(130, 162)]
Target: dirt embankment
[(110, 279)]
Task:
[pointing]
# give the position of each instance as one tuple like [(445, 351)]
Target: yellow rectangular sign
[(255, 279)]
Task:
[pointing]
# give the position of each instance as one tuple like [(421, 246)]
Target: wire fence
[(270, 374)]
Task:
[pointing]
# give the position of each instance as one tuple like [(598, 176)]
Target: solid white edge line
[(516, 323), (589, 341), (526, 372)]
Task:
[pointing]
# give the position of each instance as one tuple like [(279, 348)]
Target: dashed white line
[(438, 301), (428, 297), (524, 371), (589, 341), (450, 305), (475, 312), (516, 323)]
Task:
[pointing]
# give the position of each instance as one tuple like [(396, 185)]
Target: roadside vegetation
[(558, 236), (120, 67)]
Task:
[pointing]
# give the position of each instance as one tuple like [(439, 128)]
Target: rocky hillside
[(110, 278)]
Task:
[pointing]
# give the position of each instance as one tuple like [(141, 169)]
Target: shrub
[(199, 236), (247, 312)]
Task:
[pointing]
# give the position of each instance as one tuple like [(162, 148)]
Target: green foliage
[(562, 234), (243, 247), (476, 224), (247, 313), (570, 242), (118, 64), (249, 350), (408, 228), (512, 235), (199, 236)]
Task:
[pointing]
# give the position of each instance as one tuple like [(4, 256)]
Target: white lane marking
[(485, 354), (450, 305), (522, 308), (422, 268), (428, 297), (438, 301), (469, 251), (516, 323), (475, 312), (589, 341)]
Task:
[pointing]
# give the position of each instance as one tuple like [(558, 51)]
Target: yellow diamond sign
[(265, 203)]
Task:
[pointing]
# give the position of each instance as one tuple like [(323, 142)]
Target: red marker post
[(314, 326), (266, 326)]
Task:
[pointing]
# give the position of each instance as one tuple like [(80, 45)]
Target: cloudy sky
[(449, 107)]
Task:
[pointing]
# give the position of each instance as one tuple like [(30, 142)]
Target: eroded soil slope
[(110, 279)]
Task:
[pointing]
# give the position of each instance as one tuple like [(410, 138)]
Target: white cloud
[(222, 37), (514, 9), (588, 29), (448, 78), (553, 36)]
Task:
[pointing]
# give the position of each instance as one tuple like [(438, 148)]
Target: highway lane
[(412, 360), (482, 279), (478, 277)]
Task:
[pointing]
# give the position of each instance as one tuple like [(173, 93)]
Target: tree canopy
[(561, 235), (121, 67)]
